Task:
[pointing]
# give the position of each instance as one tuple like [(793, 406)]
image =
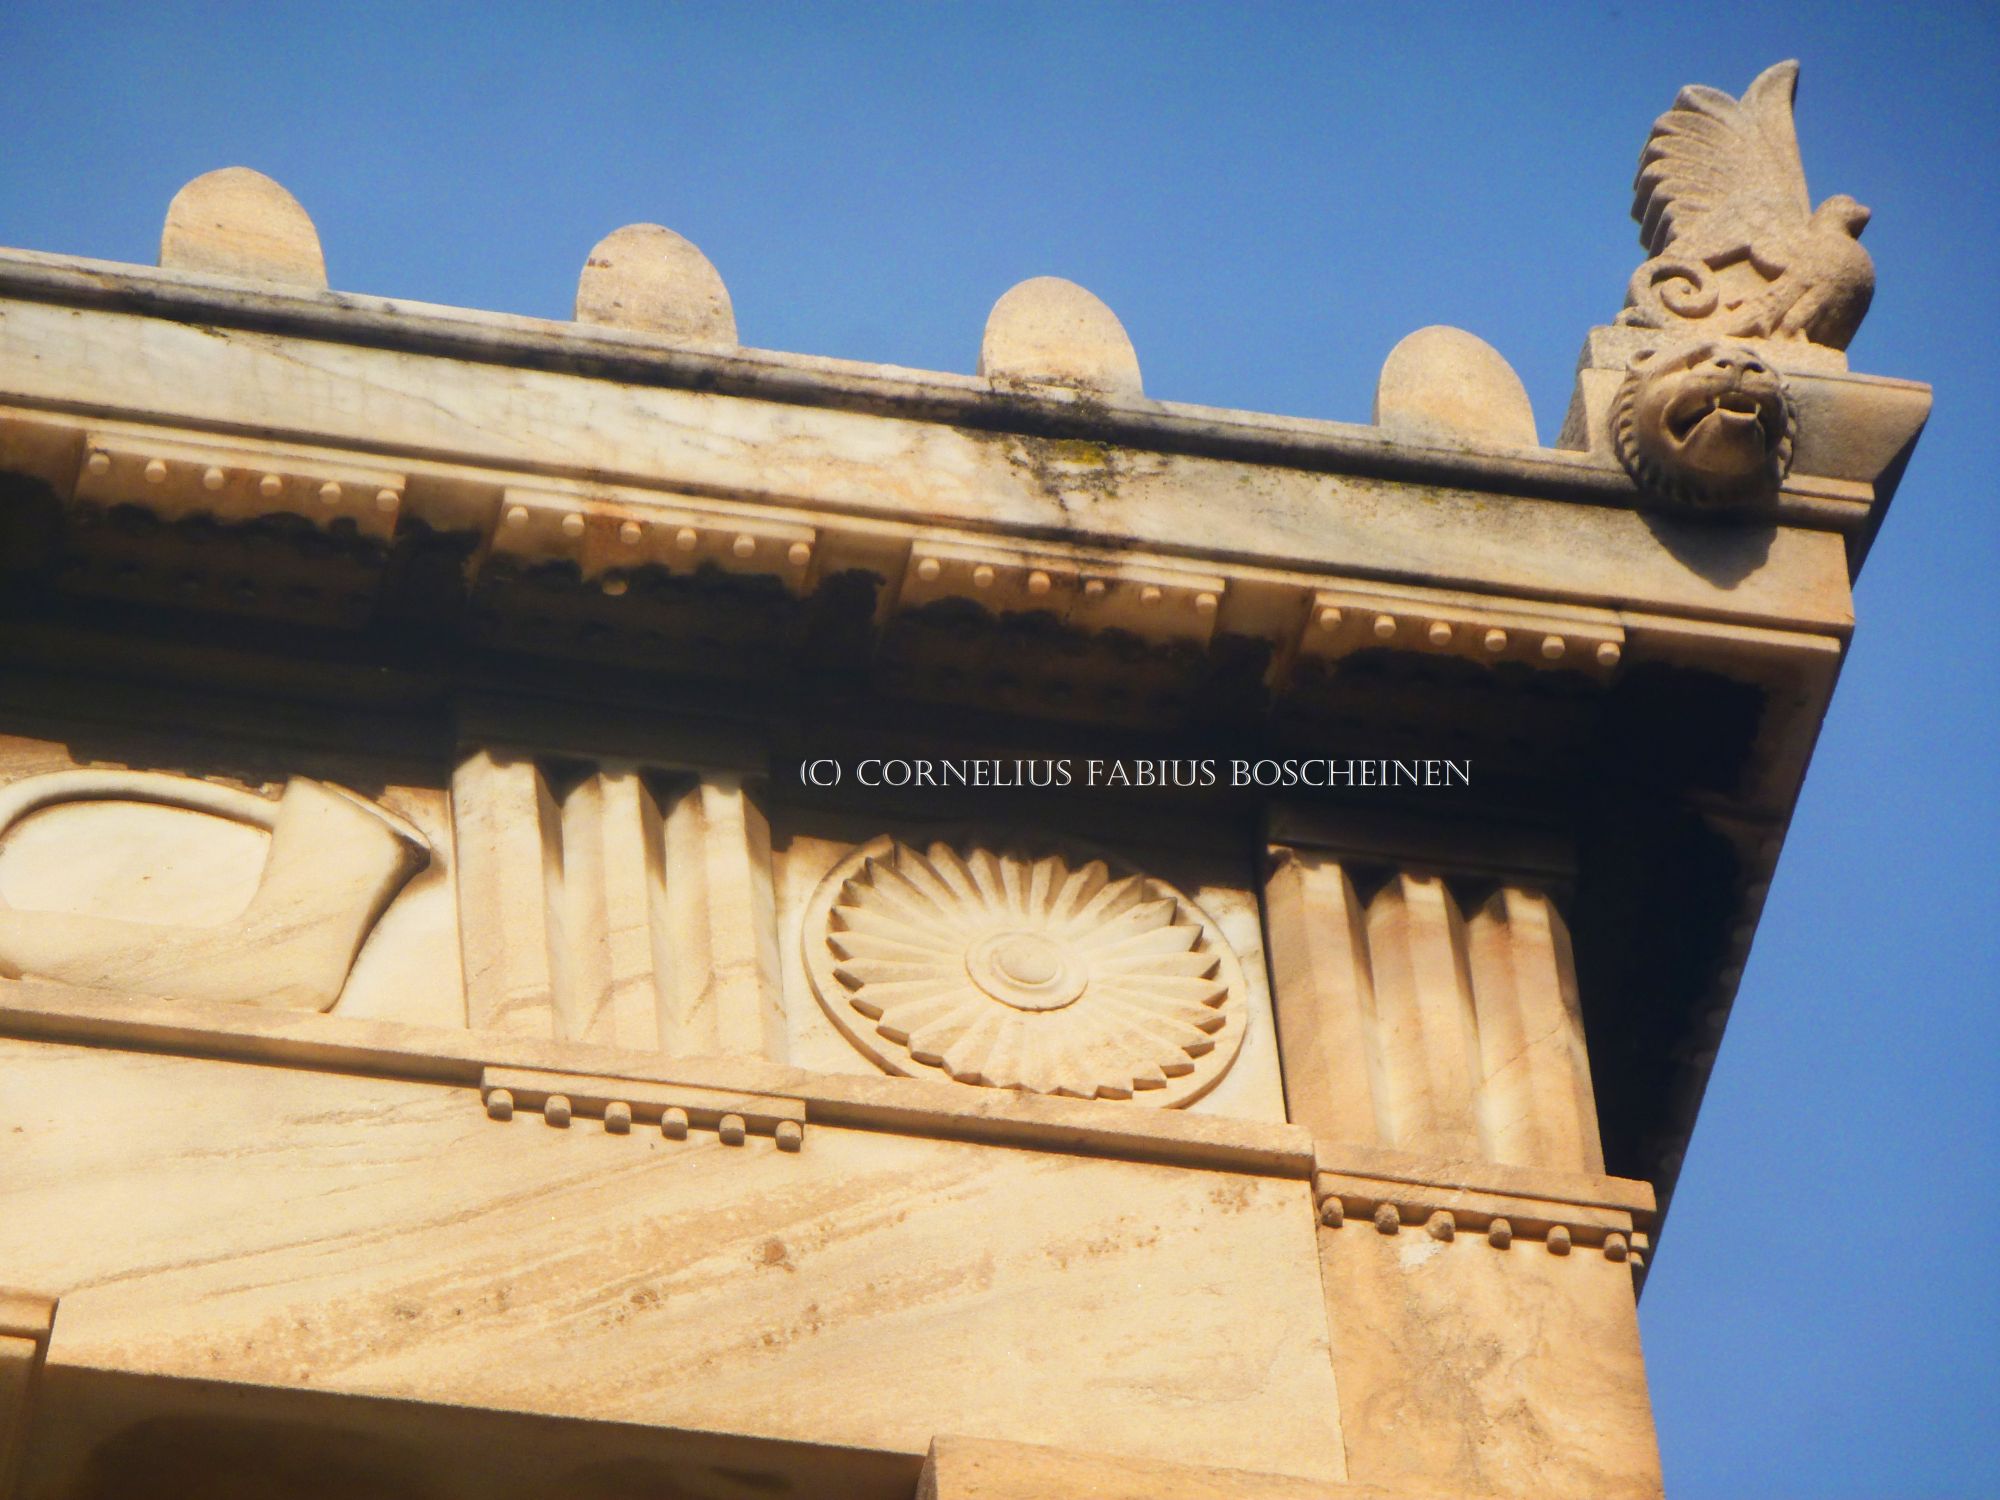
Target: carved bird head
[(1844, 212)]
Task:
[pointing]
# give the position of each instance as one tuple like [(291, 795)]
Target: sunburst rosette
[(1051, 973)]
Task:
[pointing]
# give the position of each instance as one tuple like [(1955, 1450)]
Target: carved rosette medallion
[(1049, 972)]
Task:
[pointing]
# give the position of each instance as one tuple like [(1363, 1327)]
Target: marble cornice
[(1028, 408)]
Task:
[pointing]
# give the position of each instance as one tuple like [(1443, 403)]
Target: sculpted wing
[(1721, 176)]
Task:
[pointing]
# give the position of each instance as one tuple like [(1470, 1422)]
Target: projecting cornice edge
[(995, 404)]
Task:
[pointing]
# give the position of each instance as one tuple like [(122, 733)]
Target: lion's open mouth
[(1705, 426), (1730, 414)]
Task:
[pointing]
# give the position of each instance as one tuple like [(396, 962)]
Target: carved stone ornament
[(1707, 425), (1050, 973), (1737, 248), (335, 862)]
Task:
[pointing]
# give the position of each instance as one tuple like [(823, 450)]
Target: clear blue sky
[(1270, 196)]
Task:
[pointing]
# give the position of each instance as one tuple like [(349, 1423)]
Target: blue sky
[(1270, 196)]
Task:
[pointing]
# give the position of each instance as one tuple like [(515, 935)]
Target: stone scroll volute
[(334, 862)]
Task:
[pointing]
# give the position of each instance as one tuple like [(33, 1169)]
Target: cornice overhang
[(423, 500)]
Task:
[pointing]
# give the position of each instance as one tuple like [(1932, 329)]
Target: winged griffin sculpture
[(1738, 251)]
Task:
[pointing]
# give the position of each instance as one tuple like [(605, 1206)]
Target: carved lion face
[(1707, 425)]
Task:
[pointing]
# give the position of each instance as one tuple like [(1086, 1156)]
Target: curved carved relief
[(1708, 425), (1737, 247), (1048, 974), (335, 862)]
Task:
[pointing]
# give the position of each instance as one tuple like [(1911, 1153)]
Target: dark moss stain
[(1066, 468), (1069, 471)]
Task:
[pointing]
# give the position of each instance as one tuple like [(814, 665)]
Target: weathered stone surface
[(866, 1290), (1052, 331), (904, 472), (705, 1117), (1504, 1372), (1853, 429), (236, 222), (1231, 1142), (1444, 385), (646, 277), (1738, 249)]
